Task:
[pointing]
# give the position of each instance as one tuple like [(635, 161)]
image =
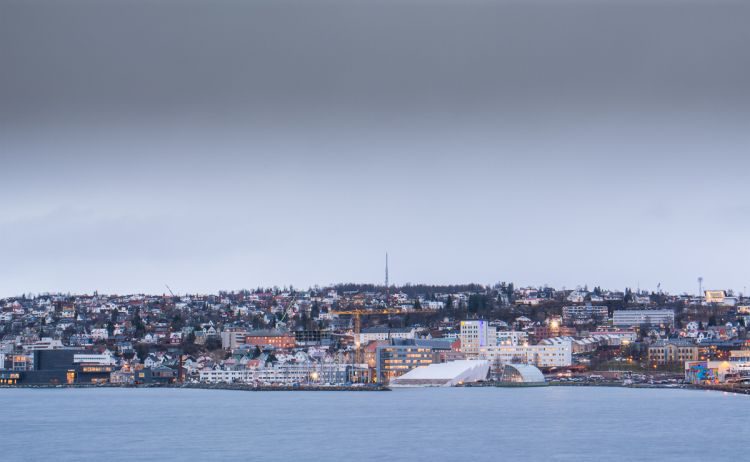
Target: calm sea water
[(481, 424)]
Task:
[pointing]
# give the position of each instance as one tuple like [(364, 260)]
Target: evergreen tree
[(256, 352), (140, 328)]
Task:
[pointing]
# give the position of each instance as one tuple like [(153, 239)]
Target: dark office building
[(56, 367), (157, 374), (45, 360)]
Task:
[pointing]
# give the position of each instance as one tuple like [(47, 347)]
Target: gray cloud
[(226, 144)]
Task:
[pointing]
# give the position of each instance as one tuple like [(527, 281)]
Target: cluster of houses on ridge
[(288, 337)]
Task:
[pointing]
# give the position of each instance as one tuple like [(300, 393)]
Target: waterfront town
[(360, 335)]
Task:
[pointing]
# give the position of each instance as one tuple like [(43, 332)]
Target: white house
[(99, 334)]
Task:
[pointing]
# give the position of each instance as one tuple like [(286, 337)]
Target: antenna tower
[(387, 287)]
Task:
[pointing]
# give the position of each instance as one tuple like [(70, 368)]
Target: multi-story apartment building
[(276, 339), (633, 318), (240, 375), (512, 337), (557, 355), (233, 338), (311, 337), (575, 315), (281, 374), (385, 333), (625, 335), (539, 333), (476, 334)]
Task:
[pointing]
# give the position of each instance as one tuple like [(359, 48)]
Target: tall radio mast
[(387, 287)]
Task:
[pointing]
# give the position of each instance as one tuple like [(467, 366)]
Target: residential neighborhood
[(366, 335)]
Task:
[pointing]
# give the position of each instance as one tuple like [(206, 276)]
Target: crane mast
[(357, 317)]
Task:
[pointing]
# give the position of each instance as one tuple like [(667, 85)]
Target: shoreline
[(684, 386), (207, 386), (248, 387)]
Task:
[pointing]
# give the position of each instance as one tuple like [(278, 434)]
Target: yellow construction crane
[(357, 315)]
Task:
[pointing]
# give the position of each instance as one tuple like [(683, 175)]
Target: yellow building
[(715, 296), (672, 352)]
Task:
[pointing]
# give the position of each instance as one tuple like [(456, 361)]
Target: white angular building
[(447, 374)]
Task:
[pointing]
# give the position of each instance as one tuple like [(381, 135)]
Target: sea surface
[(470, 424)]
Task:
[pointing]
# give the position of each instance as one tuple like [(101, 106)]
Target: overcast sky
[(227, 145)]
